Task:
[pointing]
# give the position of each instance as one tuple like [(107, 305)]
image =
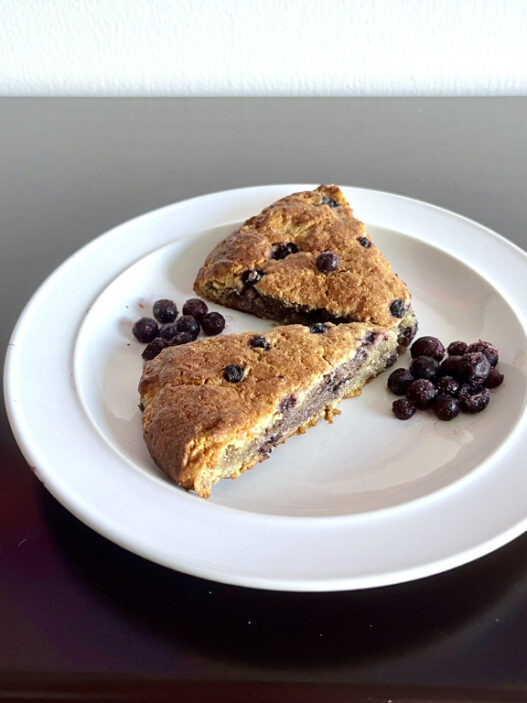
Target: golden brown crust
[(191, 413), (362, 288)]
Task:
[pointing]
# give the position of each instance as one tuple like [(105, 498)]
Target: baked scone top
[(191, 410), (363, 287)]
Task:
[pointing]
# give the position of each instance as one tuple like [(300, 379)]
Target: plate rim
[(321, 584)]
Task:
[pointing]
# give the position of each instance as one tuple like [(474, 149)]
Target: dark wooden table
[(80, 618)]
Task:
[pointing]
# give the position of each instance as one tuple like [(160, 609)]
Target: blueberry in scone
[(306, 259)]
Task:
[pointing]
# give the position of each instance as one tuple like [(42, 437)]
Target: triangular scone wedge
[(216, 407), (268, 267)]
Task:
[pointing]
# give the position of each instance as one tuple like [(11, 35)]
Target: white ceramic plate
[(364, 502)]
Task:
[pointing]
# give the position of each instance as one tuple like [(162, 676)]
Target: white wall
[(263, 47)]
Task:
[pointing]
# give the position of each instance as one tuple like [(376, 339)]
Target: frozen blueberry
[(447, 385), (403, 409), (317, 328), (259, 342), (446, 407), (456, 348), (421, 392), (399, 380), (427, 346), (251, 277), (187, 323), (233, 373), (168, 331), (282, 250), (473, 400), (145, 329), (364, 242), (181, 338), (494, 379), (471, 387), (329, 201), (154, 348), (490, 351), (424, 367), (212, 323), (165, 310), (398, 308), (450, 366), (327, 262), (195, 307), (474, 366)]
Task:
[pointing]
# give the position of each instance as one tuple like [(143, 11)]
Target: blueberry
[(259, 342), (181, 338), (165, 310), (456, 349), (333, 382), (406, 335), (446, 407), (470, 387), (251, 277), (327, 262), (195, 307), (473, 400), (329, 201), (399, 380), (154, 348), (287, 404), (212, 323), (450, 366), (427, 346), (168, 331), (424, 367), (233, 373), (364, 242), (490, 351), (317, 328), (474, 366), (421, 392), (448, 385), (267, 447), (188, 323), (145, 329), (494, 379), (390, 361), (370, 337), (398, 308), (282, 250), (403, 409)]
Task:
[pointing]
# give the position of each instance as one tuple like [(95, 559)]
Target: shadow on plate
[(185, 266), (283, 630)]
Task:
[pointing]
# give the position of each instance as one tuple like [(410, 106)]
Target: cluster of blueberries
[(167, 330), (461, 381)]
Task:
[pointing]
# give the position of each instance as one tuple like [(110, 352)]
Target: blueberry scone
[(306, 259), (215, 408)]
